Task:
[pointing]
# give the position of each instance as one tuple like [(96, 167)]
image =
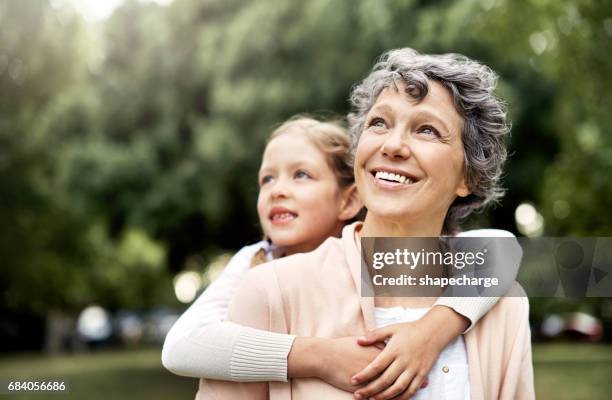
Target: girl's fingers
[(384, 381), (375, 336), (416, 384), (425, 383), (373, 369), (398, 388)]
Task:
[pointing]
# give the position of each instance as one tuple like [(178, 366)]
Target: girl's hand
[(412, 349), (343, 358), (401, 367)]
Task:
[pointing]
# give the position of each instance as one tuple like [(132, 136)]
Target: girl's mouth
[(281, 215)]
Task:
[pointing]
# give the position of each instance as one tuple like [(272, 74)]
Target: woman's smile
[(393, 179)]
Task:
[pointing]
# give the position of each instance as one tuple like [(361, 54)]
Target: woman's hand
[(412, 349), (333, 360)]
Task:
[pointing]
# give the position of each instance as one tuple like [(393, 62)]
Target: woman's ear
[(351, 203), (463, 190)]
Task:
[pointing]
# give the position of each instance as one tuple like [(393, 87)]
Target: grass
[(562, 371), (573, 371), (116, 375)]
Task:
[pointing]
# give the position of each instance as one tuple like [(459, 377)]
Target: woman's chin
[(385, 209)]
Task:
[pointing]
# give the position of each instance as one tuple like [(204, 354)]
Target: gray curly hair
[(471, 86)]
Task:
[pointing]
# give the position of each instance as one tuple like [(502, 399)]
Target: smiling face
[(409, 162), (300, 202)]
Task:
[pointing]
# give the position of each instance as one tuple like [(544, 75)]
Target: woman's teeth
[(389, 176), (283, 217)]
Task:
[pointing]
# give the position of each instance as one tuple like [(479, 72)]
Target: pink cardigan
[(317, 294)]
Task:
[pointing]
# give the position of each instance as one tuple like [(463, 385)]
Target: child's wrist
[(304, 360), (446, 323)]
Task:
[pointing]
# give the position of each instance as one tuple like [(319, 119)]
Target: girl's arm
[(415, 346), (508, 255), (202, 344), (331, 360), (311, 357)]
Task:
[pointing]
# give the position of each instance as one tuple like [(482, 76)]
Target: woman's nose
[(396, 145)]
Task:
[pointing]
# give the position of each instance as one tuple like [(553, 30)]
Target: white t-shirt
[(448, 378)]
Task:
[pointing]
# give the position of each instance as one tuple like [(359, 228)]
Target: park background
[(131, 134)]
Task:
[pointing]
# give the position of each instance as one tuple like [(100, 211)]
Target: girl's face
[(409, 160), (300, 202)]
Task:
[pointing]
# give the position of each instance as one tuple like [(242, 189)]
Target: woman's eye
[(302, 174), (428, 130), (377, 123)]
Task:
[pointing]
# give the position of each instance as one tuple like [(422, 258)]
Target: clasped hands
[(387, 363), (391, 362)]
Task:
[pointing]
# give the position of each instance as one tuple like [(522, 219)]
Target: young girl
[(307, 195)]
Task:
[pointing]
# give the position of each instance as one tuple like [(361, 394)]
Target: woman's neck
[(377, 227), (374, 226)]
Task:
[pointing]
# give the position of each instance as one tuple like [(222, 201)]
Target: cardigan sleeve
[(202, 344), (250, 308), (518, 380), (473, 308), (525, 386), (259, 352)]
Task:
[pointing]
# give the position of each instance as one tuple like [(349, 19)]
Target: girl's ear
[(351, 203)]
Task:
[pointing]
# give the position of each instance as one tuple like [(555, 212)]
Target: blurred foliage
[(129, 145)]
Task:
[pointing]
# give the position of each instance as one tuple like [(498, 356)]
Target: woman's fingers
[(373, 369), (375, 336), (398, 388), (384, 381)]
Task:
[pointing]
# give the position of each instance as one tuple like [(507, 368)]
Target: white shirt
[(448, 378)]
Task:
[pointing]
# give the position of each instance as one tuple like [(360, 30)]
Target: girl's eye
[(265, 179), (377, 123), (429, 130), (302, 174)]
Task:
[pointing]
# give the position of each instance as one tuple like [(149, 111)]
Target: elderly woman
[(429, 135)]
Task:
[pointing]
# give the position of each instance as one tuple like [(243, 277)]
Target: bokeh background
[(131, 133)]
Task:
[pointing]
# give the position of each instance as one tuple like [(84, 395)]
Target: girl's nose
[(280, 189)]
